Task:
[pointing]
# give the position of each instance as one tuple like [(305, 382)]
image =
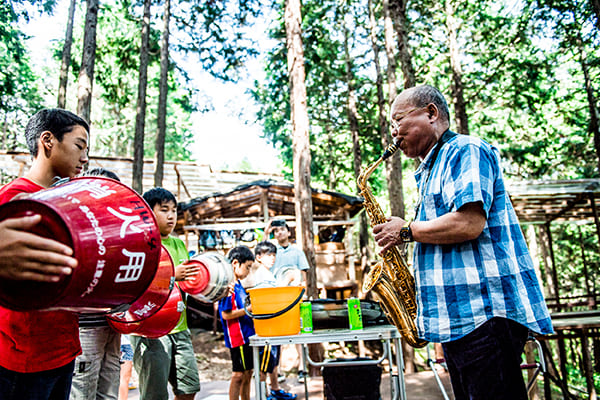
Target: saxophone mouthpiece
[(391, 149)]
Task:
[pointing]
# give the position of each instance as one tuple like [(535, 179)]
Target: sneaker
[(280, 378), (301, 376), (283, 395)]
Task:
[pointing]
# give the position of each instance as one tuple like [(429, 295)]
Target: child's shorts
[(241, 358), (269, 358), (126, 352)]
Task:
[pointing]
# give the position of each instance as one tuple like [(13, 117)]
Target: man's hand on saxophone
[(388, 234)]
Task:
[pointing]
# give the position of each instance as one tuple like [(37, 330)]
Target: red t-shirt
[(34, 341)]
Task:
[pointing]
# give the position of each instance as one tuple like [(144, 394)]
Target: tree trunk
[(398, 14), (363, 235), (162, 99), (86, 73), (460, 112), (301, 141), (301, 149), (395, 10), (393, 165), (390, 51), (351, 107), (596, 7), (66, 59), (382, 105), (140, 118), (594, 125)]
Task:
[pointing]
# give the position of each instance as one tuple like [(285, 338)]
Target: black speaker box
[(351, 382)]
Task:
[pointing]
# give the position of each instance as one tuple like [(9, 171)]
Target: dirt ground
[(214, 363)]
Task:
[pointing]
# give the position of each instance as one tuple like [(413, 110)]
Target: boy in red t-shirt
[(38, 348)]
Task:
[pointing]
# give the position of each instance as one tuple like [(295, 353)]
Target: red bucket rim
[(196, 285), (129, 317)]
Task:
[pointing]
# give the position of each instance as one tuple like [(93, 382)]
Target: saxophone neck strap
[(446, 136)]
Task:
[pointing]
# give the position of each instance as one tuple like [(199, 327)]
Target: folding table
[(386, 333)]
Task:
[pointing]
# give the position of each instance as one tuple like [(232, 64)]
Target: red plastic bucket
[(211, 283), (151, 301), (158, 324), (198, 282), (113, 234)]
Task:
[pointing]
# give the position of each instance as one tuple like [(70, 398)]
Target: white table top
[(381, 332)]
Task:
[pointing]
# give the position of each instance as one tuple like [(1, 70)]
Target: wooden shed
[(239, 216)]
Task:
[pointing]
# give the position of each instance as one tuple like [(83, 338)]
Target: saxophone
[(390, 278)]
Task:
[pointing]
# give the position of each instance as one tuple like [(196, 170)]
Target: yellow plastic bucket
[(276, 311)]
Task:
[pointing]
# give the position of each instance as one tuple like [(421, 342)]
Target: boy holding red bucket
[(169, 358), (38, 348), (237, 326)]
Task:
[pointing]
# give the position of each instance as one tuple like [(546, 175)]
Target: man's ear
[(432, 111), (46, 142)]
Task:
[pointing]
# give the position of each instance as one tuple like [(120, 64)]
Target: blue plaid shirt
[(461, 286)]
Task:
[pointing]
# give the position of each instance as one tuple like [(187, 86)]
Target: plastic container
[(152, 304), (276, 311), (211, 283), (354, 314), (114, 237)]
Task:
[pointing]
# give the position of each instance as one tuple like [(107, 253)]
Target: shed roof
[(555, 201), (263, 199), (535, 202)]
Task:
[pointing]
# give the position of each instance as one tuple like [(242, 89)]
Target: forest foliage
[(525, 74), (529, 70)]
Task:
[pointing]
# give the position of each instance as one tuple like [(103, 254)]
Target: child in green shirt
[(169, 358)]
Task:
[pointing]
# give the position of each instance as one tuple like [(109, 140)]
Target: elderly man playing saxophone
[(477, 292)]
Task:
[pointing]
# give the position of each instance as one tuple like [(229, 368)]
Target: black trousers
[(485, 364)]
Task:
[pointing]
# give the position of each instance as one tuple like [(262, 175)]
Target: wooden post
[(554, 274), (597, 222), (590, 297), (264, 205), (562, 359), (587, 365), (530, 358)]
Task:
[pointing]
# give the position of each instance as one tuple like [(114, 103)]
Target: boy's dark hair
[(280, 222), (265, 247), (241, 254), (158, 195), (101, 172), (55, 120)]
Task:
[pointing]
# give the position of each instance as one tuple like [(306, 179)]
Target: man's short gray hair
[(422, 95)]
